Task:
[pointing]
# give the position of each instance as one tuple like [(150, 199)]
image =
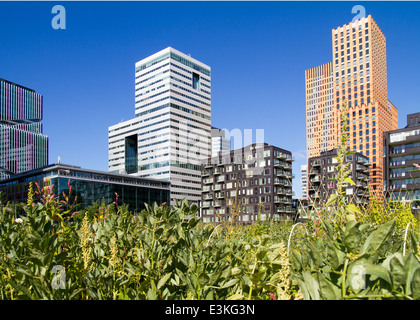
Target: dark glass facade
[(89, 187)]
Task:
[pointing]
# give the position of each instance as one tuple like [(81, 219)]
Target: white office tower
[(171, 133), (219, 142), (304, 171)]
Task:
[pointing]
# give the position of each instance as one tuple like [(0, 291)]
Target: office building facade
[(219, 142), (359, 76), (22, 144), (171, 131), (88, 185), (256, 178)]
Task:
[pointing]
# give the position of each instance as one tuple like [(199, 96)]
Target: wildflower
[(18, 220), (85, 239), (272, 296), (283, 287)]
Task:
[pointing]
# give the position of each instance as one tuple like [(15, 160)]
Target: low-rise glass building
[(89, 186)]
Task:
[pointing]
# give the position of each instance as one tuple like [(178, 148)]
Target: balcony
[(281, 155), (316, 163), (205, 173), (278, 164), (281, 173), (208, 196), (220, 195), (208, 165), (217, 203), (220, 179), (217, 187), (217, 171), (206, 189), (206, 204), (208, 181)]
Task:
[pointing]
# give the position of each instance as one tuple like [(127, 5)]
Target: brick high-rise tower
[(359, 76)]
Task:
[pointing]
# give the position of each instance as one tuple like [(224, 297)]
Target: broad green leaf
[(377, 271), (411, 265), (352, 208), (236, 296), (333, 198), (415, 286), (326, 290), (398, 272), (163, 280), (230, 283), (378, 237), (349, 180), (311, 285), (352, 238)]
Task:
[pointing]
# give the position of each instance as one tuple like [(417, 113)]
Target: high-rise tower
[(23, 147), (358, 76), (171, 131)]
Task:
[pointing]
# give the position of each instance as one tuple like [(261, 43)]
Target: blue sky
[(258, 52)]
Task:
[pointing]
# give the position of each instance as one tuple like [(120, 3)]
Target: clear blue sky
[(258, 52)]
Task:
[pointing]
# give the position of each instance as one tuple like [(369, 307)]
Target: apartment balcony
[(208, 165), (317, 179), (316, 163), (289, 158), (220, 179), (312, 173), (220, 195), (278, 164), (206, 204), (281, 173), (206, 189), (208, 181), (208, 196), (277, 182), (217, 171), (281, 155), (281, 191), (217, 187), (359, 168), (217, 203), (205, 173)]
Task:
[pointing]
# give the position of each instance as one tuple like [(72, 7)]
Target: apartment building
[(401, 158), (257, 178), (171, 131), (321, 174)]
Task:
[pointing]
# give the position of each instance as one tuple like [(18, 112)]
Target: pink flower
[(272, 296)]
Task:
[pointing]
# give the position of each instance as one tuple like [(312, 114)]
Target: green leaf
[(314, 254), (333, 198), (352, 208), (230, 283), (378, 237), (326, 290), (411, 265), (349, 180), (377, 271), (236, 296), (352, 238), (398, 272), (163, 280), (311, 285), (415, 286)]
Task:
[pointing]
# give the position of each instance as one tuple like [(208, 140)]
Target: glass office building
[(89, 187), (23, 147)]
